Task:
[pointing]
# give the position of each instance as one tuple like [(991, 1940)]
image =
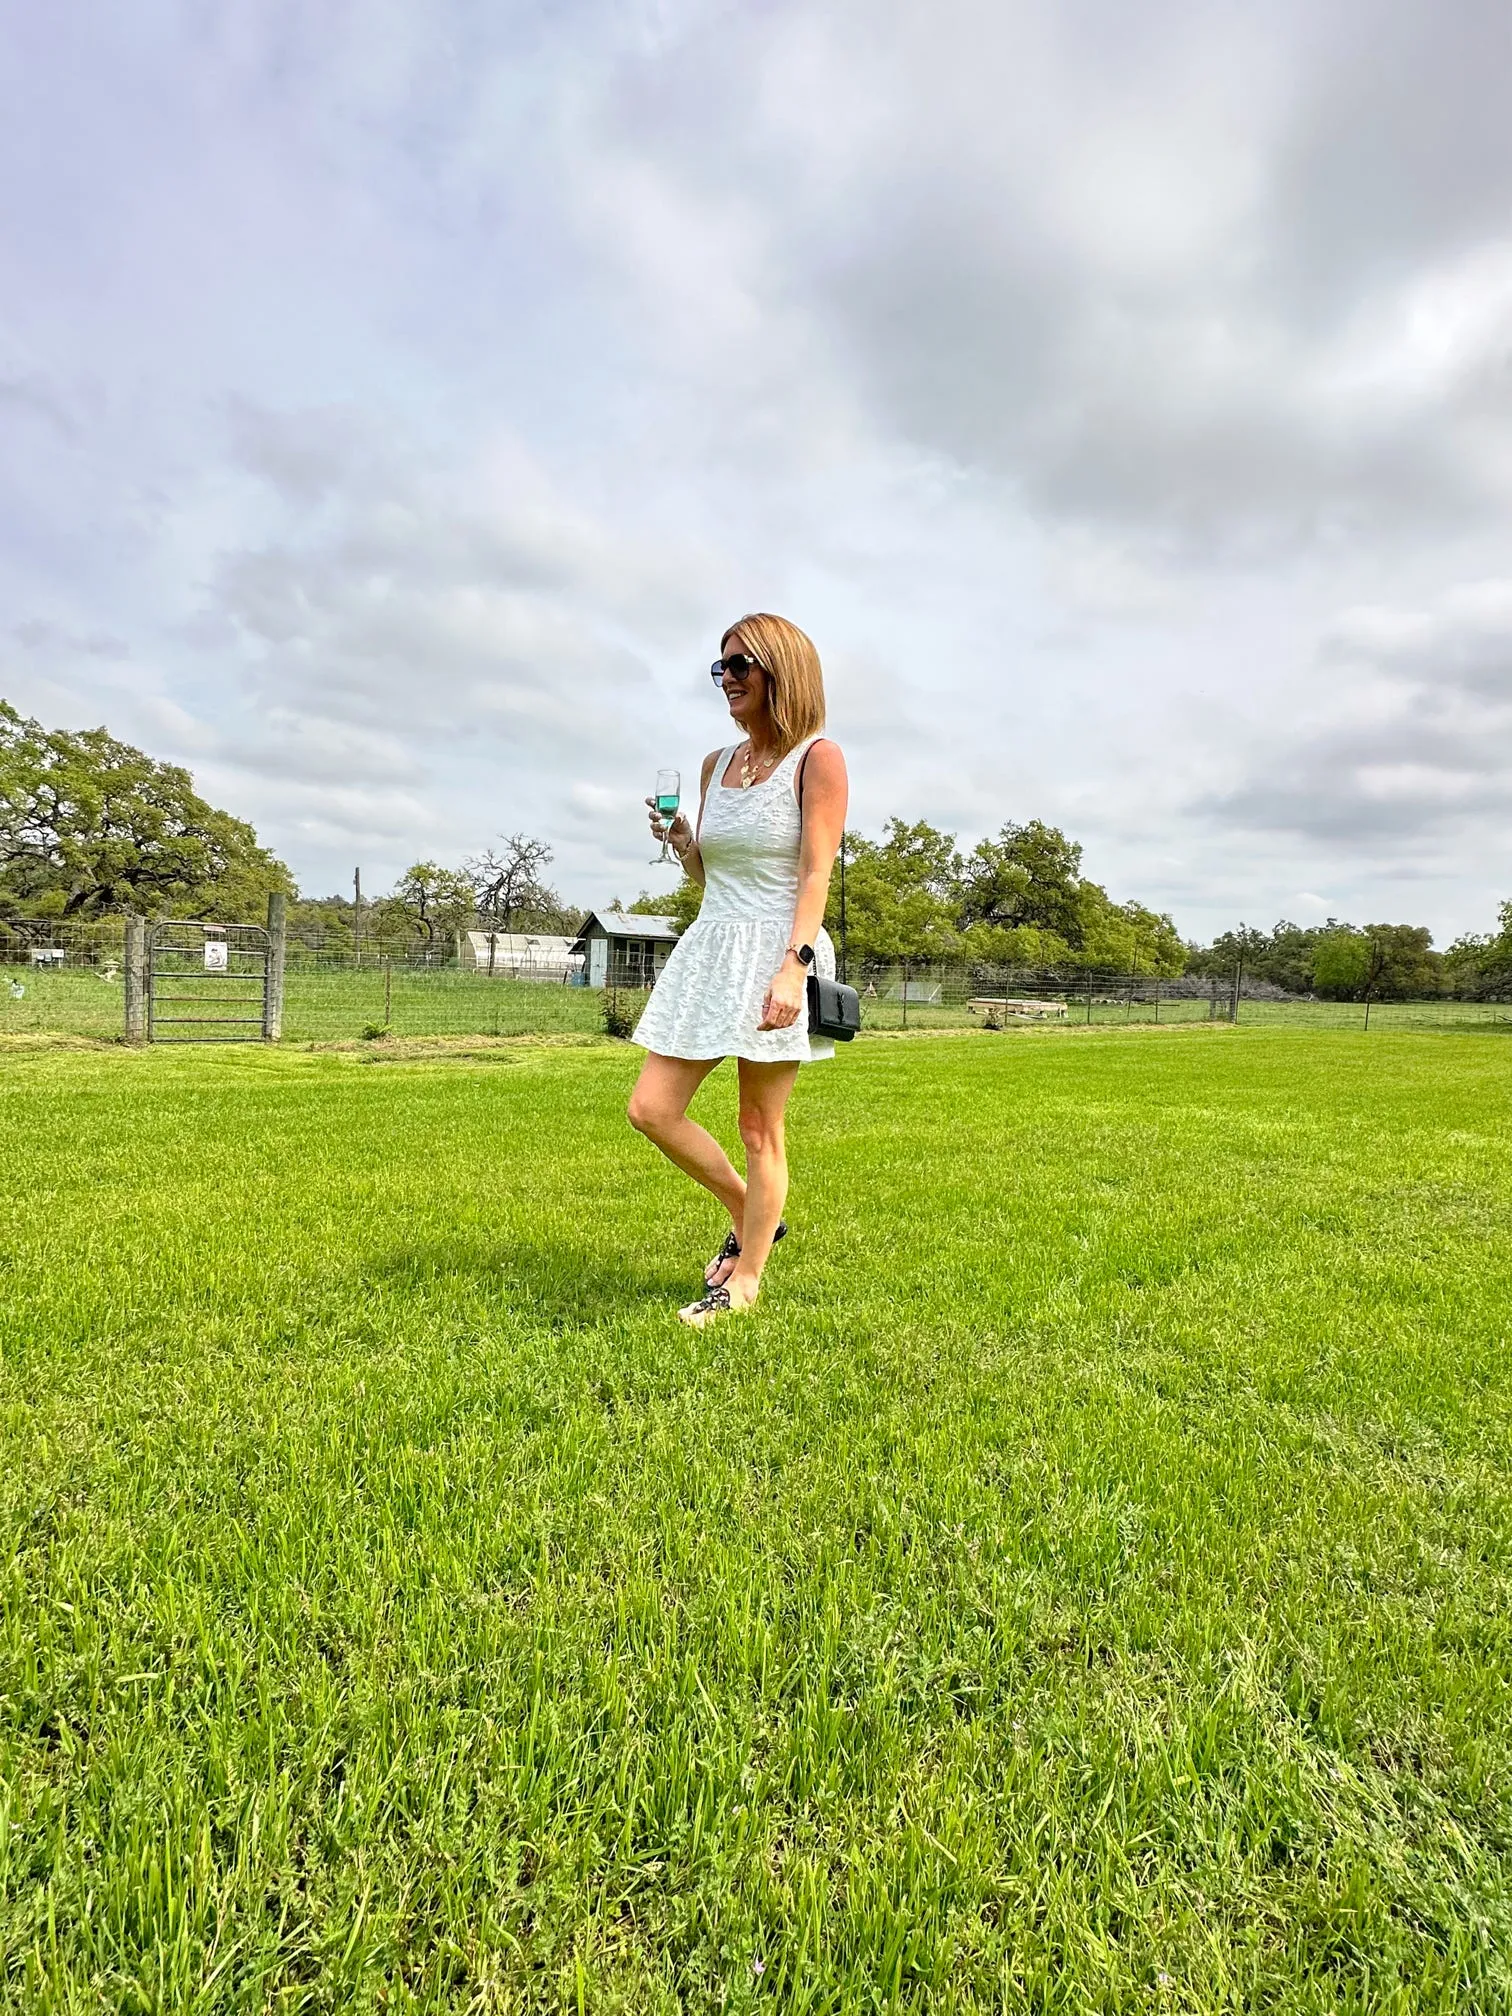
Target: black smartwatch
[(804, 954)]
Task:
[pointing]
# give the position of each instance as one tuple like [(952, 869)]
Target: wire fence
[(938, 996), (322, 1003), (42, 942), (46, 943), (67, 979)]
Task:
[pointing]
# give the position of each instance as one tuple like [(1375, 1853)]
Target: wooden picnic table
[(980, 1004)]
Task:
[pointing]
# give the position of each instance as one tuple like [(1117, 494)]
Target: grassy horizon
[(332, 1003), (1082, 1585)]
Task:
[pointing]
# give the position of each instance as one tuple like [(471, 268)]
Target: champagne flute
[(668, 797)]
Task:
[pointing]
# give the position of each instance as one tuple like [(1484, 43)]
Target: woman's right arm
[(692, 860), (682, 836)]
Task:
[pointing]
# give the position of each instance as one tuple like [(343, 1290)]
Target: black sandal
[(713, 1302), (731, 1247)]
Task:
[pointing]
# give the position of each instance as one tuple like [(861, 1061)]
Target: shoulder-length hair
[(796, 699)]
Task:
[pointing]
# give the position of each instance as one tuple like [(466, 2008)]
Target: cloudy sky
[(397, 400)]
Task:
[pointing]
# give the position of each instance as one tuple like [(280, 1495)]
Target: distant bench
[(986, 1005)]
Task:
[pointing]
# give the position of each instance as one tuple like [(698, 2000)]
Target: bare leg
[(659, 1110), (764, 1093)]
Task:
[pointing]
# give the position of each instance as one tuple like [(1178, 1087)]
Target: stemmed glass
[(668, 797)]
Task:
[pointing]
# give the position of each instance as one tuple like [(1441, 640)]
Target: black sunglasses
[(738, 665)]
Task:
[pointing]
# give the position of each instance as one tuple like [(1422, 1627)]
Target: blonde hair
[(796, 698)]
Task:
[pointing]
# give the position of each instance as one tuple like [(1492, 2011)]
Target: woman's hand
[(786, 998), (679, 834)]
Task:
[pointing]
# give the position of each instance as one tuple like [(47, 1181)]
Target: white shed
[(623, 950), (520, 955)]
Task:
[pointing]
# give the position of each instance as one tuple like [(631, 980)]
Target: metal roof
[(521, 944), (621, 924)]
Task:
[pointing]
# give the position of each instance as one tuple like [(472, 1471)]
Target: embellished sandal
[(731, 1247), (714, 1302)]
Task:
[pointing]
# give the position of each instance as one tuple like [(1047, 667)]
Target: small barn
[(520, 955), (624, 951)]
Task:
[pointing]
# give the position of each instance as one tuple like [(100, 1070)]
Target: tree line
[(91, 827), (503, 890), (1338, 961), (1017, 899)]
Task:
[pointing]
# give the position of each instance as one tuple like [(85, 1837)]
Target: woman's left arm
[(825, 793)]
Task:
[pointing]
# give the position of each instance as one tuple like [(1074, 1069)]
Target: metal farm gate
[(208, 983)]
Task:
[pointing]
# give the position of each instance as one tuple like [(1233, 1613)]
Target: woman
[(736, 984)]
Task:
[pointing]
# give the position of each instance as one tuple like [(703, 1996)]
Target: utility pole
[(356, 916), (1377, 967), (1238, 978), (844, 961)]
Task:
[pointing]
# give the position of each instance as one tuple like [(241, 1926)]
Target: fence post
[(388, 994), (134, 973), (1129, 999), (273, 998), (905, 993), (1157, 997)]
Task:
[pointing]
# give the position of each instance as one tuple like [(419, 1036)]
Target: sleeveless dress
[(707, 1000)]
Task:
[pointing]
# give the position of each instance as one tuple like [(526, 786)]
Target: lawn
[(1082, 1585), (322, 1003), (336, 1003)]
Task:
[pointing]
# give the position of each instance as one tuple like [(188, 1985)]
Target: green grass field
[(1082, 1585), (334, 1003), (322, 1004)]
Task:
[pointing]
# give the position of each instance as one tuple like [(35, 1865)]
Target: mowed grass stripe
[(1082, 1585)]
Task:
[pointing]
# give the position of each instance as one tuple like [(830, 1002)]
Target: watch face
[(806, 954)]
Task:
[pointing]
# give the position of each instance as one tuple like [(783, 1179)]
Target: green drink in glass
[(668, 798)]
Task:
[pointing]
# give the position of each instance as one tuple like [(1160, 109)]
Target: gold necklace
[(749, 771)]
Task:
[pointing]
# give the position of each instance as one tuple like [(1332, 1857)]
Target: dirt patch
[(454, 1049), (43, 1039)]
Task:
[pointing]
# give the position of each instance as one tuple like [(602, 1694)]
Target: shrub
[(619, 1014)]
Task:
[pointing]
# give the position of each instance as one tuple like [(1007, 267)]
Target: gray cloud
[(1413, 741), (442, 381), (434, 648), (1235, 288), (29, 395), (48, 638)]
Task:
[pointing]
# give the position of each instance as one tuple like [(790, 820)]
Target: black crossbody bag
[(834, 1010)]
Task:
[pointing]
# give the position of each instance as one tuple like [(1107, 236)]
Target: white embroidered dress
[(708, 999)]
